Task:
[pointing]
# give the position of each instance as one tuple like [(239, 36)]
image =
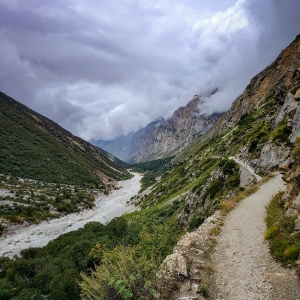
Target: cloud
[(236, 44), (102, 69)]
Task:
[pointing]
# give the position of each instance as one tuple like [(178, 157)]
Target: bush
[(280, 132), (253, 146), (291, 253), (196, 221), (284, 242), (271, 232)]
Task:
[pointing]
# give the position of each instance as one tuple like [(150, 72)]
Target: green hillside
[(35, 147)]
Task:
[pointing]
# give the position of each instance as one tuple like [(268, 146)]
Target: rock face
[(183, 272), (161, 138), (277, 80)]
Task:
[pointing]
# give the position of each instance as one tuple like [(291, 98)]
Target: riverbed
[(106, 208)]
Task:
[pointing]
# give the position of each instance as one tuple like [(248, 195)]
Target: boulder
[(297, 224), (174, 266), (272, 156), (296, 204)]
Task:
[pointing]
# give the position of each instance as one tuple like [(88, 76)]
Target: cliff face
[(277, 80), (161, 138), (186, 125)]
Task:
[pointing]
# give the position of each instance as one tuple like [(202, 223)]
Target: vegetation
[(152, 170), (32, 201), (127, 256), (37, 148), (280, 132), (284, 242), (116, 160), (152, 166)]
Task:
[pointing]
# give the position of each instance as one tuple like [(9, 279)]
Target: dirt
[(244, 268), (37, 235)]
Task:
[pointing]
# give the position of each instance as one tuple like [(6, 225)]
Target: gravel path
[(247, 167), (244, 268), (106, 208)]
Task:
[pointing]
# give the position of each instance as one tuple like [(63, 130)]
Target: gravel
[(244, 268)]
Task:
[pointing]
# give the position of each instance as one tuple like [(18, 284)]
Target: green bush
[(291, 253), (283, 241), (280, 132), (253, 146), (271, 232)]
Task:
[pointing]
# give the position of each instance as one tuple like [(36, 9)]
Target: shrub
[(196, 221), (253, 146), (291, 253), (284, 243), (271, 232), (280, 132)]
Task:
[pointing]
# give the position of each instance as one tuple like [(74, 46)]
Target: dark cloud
[(102, 68)]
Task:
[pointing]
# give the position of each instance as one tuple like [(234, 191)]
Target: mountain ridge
[(35, 147), (161, 138)]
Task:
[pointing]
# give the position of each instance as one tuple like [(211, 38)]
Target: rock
[(195, 288), (297, 224), (286, 165), (175, 264), (297, 95), (296, 204), (272, 156), (296, 126)]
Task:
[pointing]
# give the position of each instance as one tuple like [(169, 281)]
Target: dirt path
[(247, 167), (106, 208), (244, 268)]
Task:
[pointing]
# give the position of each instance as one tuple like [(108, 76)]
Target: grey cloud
[(102, 68)]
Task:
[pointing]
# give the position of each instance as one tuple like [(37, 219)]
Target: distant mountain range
[(35, 147), (162, 138)]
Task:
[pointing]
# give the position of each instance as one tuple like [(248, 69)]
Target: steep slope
[(114, 159), (124, 146), (162, 138), (35, 147)]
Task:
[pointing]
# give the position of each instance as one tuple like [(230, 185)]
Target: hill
[(114, 159), (35, 147)]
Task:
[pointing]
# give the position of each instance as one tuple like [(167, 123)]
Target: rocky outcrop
[(186, 272), (161, 138), (272, 157), (279, 78)]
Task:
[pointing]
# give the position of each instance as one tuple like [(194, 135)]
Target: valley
[(206, 212), (106, 207)]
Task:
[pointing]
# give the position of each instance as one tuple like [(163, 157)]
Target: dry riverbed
[(106, 208)]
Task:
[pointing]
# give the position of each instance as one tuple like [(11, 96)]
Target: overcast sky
[(104, 68)]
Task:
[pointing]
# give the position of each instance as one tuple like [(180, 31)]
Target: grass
[(283, 241)]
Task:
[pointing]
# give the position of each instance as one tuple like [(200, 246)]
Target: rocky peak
[(161, 138)]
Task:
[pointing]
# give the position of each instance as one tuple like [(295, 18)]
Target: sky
[(106, 68)]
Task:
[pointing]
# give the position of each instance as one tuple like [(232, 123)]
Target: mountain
[(162, 138), (35, 147), (114, 159)]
